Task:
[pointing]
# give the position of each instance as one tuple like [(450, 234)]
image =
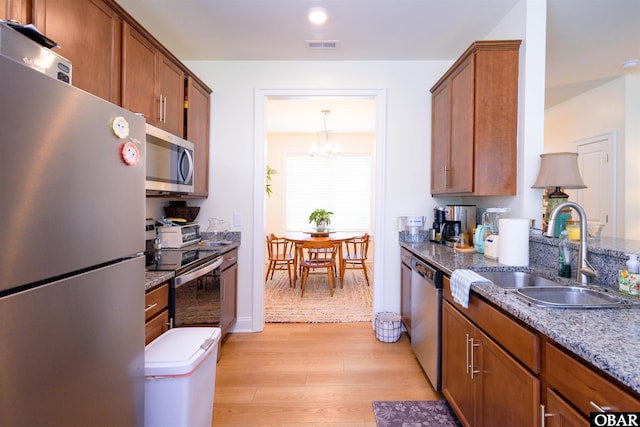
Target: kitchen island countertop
[(609, 339)]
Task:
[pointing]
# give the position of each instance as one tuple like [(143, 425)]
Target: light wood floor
[(313, 375)]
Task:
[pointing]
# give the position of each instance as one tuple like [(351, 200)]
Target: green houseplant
[(322, 219), (270, 172)]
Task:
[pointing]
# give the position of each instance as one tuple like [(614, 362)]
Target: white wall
[(407, 160), (232, 145), (612, 106)]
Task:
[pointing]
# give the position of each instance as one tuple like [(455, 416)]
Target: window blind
[(340, 184)]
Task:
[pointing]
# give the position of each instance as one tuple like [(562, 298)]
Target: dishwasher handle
[(423, 269)]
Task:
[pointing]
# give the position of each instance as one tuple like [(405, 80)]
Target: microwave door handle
[(199, 272), (186, 178)]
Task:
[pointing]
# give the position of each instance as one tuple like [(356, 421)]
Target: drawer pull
[(600, 408), (152, 306)]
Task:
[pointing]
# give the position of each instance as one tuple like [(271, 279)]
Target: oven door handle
[(199, 272)]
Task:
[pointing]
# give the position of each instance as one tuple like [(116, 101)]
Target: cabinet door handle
[(600, 408), (164, 110), (466, 345), (444, 177), (543, 414), (473, 371), (152, 306), (160, 108)]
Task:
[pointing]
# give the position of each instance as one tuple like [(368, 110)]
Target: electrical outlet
[(237, 219)]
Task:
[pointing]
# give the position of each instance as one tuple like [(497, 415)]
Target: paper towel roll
[(514, 241)]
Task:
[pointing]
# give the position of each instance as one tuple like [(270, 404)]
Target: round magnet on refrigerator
[(130, 153), (120, 127)]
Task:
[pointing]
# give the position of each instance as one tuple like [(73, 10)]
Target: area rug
[(423, 413), (352, 303)]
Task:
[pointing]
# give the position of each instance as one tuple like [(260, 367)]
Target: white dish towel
[(461, 281)]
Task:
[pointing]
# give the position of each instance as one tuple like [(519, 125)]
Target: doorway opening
[(262, 97)]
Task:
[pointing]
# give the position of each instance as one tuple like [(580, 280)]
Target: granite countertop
[(609, 339), (155, 278)]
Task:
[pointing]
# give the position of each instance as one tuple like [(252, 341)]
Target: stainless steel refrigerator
[(72, 203)]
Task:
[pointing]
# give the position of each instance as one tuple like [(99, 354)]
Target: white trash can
[(180, 373), (388, 326)]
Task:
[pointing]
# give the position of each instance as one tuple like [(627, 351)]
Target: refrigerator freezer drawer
[(73, 351)]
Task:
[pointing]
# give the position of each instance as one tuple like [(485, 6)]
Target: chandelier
[(323, 146)]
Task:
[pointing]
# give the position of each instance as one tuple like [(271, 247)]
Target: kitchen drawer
[(229, 259), (517, 339), (156, 327), (156, 301), (581, 385)]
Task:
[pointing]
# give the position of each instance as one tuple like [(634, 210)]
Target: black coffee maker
[(450, 231), (435, 234)]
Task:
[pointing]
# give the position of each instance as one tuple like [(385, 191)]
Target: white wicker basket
[(388, 326)]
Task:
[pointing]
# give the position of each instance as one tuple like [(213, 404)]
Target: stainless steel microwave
[(169, 163)]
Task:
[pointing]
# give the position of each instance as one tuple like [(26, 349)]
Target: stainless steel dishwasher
[(426, 318)]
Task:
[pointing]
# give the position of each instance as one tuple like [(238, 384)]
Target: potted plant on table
[(322, 218)]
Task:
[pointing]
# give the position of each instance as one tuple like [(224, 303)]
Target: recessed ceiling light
[(630, 63), (317, 15)]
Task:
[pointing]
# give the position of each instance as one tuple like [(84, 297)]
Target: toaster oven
[(178, 236)]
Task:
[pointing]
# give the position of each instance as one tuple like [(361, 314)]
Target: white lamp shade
[(559, 170)]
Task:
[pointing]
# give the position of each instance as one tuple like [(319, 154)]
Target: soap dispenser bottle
[(564, 255)]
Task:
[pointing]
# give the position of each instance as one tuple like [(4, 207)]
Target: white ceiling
[(587, 40)]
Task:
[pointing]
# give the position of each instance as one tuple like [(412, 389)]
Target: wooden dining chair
[(354, 255), (281, 257), (314, 255)]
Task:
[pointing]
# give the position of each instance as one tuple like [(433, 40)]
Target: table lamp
[(558, 171)]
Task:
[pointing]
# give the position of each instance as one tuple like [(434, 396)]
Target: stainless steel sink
[(516, 279), (569, 297)]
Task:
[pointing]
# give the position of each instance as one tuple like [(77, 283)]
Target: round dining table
[(306, 236)]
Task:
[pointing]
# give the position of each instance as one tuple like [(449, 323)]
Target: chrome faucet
[(585, 269)]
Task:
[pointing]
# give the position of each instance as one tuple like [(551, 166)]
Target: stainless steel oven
[(194, 291)]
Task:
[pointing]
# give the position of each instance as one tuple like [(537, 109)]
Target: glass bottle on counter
[(564, 255)]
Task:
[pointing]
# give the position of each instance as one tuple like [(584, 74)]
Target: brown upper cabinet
[(89, 34), (197, 106), (474, 122), (117, 60), (151, 83), (17, 10)]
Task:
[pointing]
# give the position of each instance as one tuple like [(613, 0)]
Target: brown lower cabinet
[(559, 413), (484, 384), (228, 291), (574, 390), (498, 371), (482, 379), (156, 312)]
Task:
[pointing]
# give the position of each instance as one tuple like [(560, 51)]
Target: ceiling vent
[(322, 44)]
